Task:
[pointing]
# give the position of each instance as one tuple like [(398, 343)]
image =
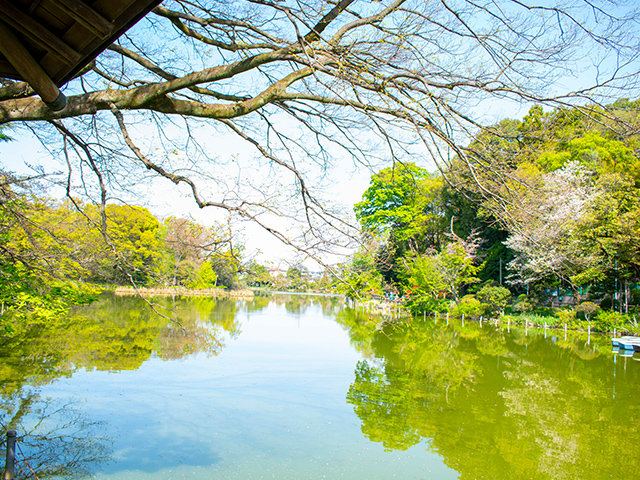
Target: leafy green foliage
[(47, 248), (131, 246), (608, 320), (186, 246), (426, 287), (402, 200), (469, 306), (206, 277), (493, 299), (430, 280), (522, 304), (587, 309), (255, 274), (30, 298), (611, 228), (360, 277), (226, 265), (567, 316), (564, 184), (3, 136), (35, 257)]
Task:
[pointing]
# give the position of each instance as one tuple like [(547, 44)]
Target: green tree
[(37, 258), (359, 277), (494, 299), (226, 265), (567, 193), (185, 247), (426, 290), (609, 232), (255, 274), (587, 309), (403, 202), (469, 306), (131, 246), (522, 304), (206, 277), (431, 279), (298, 277), (456, 266)]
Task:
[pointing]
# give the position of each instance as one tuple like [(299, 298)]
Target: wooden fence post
[(11, 455)]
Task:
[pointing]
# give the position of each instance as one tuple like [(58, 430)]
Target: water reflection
[(55, 440), (300, 304), (494, 404), (490, 403), (113, 334)]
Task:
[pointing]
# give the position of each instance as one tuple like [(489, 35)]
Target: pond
[(303, 387)]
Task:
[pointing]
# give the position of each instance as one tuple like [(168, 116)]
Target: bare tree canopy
[(310, 84)]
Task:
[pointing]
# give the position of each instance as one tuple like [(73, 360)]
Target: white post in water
[(509, 325), (480, 321), (545, 329), (589, 335), (614, 332), (565, 331), (447, 318), (526, 328), (424, 315)]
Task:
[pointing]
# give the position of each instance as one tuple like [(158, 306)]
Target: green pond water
[(303, 387)]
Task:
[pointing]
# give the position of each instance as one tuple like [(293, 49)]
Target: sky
[(25, 154), (344, 186)]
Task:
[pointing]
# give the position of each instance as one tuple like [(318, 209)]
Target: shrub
[(543, 311), (608, 320), (468, 306), (587, 309), (606, 303), (206, 277), (522, 304), (493, 300), (418, 302), (567, 316)]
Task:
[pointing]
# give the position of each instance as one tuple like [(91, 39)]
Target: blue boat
[(630, 344), (616, 341)]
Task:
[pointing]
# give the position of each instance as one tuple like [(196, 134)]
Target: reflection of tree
[(331, 304), (121, 333), (299, 304), (115, 333), (386, 403), (432, 354), (360, 327), (53, 439), (495, 405), (422, 366), (260, 302)]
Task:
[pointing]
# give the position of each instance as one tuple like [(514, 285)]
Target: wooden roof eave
[(21, 33)]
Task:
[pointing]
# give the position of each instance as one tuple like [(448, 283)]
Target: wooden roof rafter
[(47, 42)]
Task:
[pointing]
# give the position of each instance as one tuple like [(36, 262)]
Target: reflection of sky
[(272, 403)]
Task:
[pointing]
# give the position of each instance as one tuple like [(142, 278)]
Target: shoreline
[(183, 292)]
